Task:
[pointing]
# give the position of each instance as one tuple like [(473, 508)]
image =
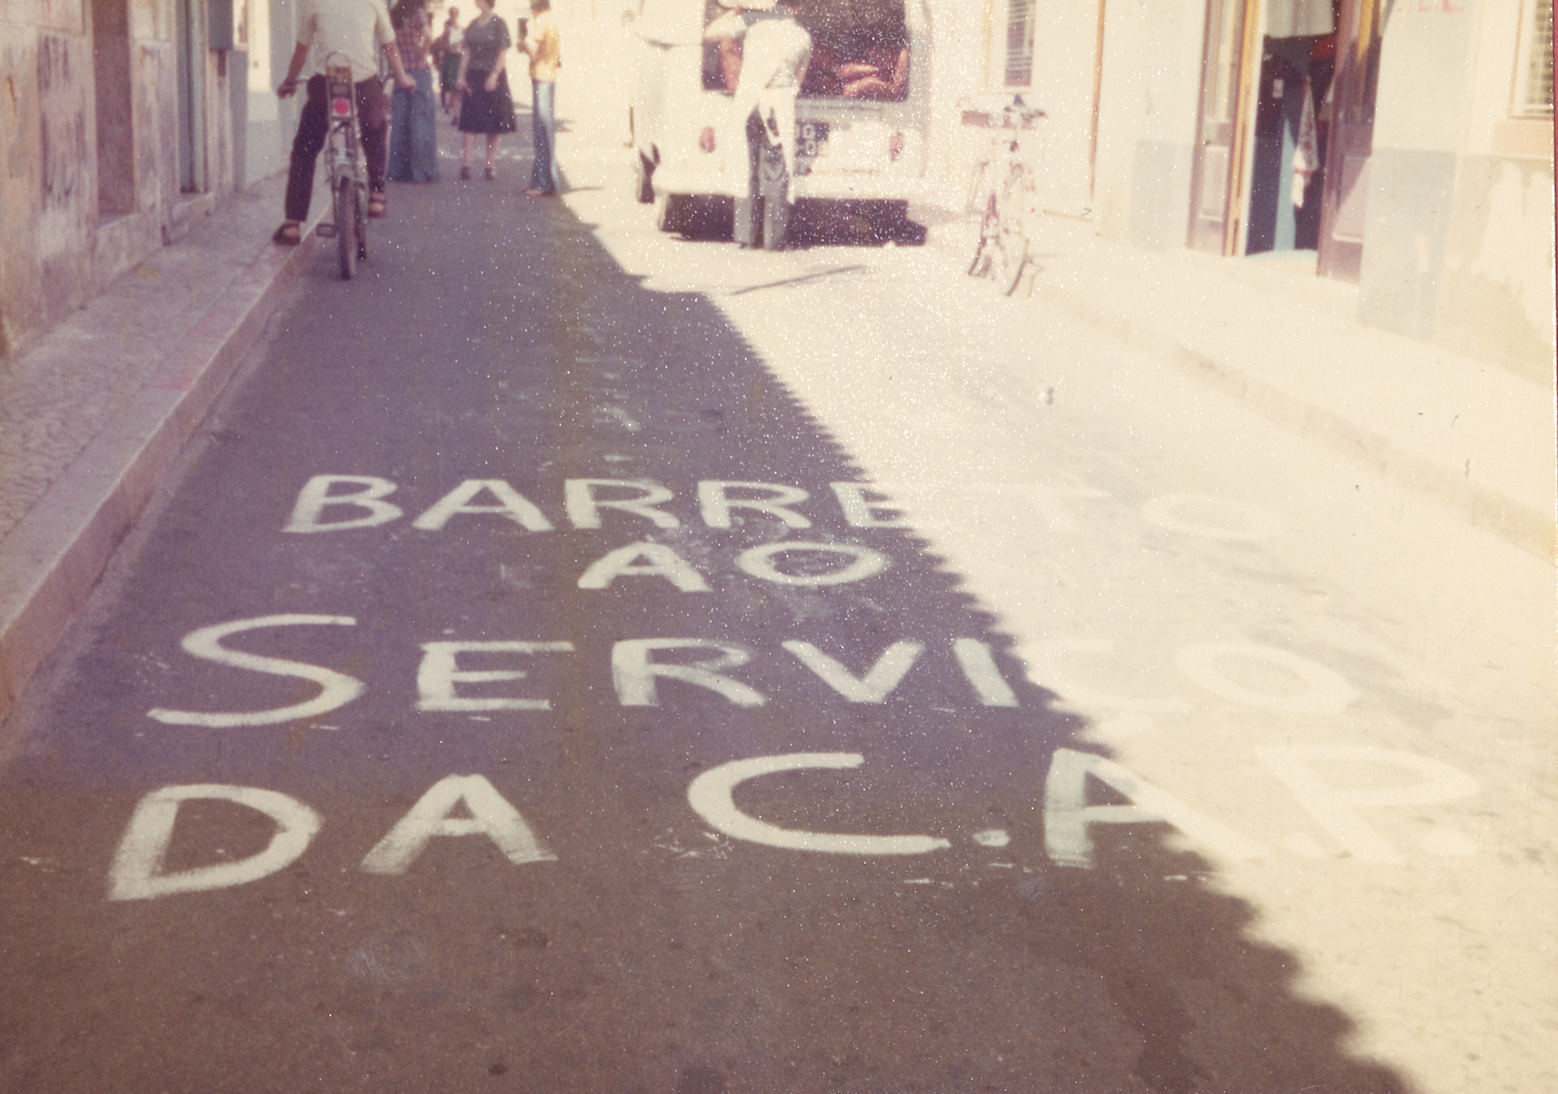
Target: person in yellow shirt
[(543, 45)]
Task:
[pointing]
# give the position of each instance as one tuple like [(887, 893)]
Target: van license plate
[(811, 141)]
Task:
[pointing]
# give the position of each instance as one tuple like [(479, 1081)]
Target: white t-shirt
[(774, 49), (356, 28), (773, 53)]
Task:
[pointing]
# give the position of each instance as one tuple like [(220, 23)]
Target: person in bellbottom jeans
[(775, 51), (356, 29), (543, 45), (413, 140)]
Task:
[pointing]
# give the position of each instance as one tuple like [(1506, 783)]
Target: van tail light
[(895, 146), (706, 138)]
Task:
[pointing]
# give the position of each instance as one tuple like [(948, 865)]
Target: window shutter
[(1019, 43), (1534, 63)]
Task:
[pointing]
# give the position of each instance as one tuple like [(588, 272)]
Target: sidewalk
[(1284, 342), (96, 413)]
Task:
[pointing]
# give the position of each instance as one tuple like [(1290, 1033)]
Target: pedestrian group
[(400, 143)]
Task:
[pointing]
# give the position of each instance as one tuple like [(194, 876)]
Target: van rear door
[(863, 114), (864, 111)]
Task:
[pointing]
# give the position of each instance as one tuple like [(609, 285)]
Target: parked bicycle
[(348, 170), (1005, 192)]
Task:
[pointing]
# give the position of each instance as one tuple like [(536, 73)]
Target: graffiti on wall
[(63, 138)]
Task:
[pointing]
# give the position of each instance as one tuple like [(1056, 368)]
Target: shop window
[(1534, 62), (190, 81)]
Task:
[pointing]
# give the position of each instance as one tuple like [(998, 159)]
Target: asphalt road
[(521, 687)]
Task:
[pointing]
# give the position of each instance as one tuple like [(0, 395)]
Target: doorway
[(1351, 143), (1285, 130), (190, 62), (114, 100)]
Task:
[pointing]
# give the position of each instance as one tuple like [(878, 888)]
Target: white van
[(862, 118)]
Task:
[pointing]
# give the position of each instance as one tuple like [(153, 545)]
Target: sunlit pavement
[(1347, 676), (888, 818)]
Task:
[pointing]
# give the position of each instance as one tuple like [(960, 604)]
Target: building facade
[(122, 122), (1402, 145), (1424, 173)]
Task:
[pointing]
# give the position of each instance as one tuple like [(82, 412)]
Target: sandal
[(489, 174), (465, 174), (378, 205), (290, 234)]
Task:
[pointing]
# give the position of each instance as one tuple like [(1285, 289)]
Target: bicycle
[(1005, 193), (346, 166)]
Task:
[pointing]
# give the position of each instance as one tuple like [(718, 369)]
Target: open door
[(1346, 188), (1217, 185)]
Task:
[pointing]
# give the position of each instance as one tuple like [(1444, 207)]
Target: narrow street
[(577, 658)]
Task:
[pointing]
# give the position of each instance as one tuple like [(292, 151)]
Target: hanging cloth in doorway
[(1306, 153), (1299, 18)]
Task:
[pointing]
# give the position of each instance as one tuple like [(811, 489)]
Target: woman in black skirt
[(487, 107)]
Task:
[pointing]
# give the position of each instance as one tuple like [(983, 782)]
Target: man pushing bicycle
[(355, 29)]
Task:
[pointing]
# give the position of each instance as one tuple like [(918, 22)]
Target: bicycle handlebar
[(1013, 115)]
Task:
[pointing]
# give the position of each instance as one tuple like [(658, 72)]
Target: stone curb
[(55, 554), (1514, 520), (1482, 506)]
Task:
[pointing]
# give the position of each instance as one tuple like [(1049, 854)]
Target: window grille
[(1534, 63), (1019, 42)]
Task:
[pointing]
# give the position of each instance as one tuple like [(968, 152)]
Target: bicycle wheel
[(979, 202), (989, 226), (361, 206), (980, 264), (1011, 237), (345, 210), (979, 187)]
